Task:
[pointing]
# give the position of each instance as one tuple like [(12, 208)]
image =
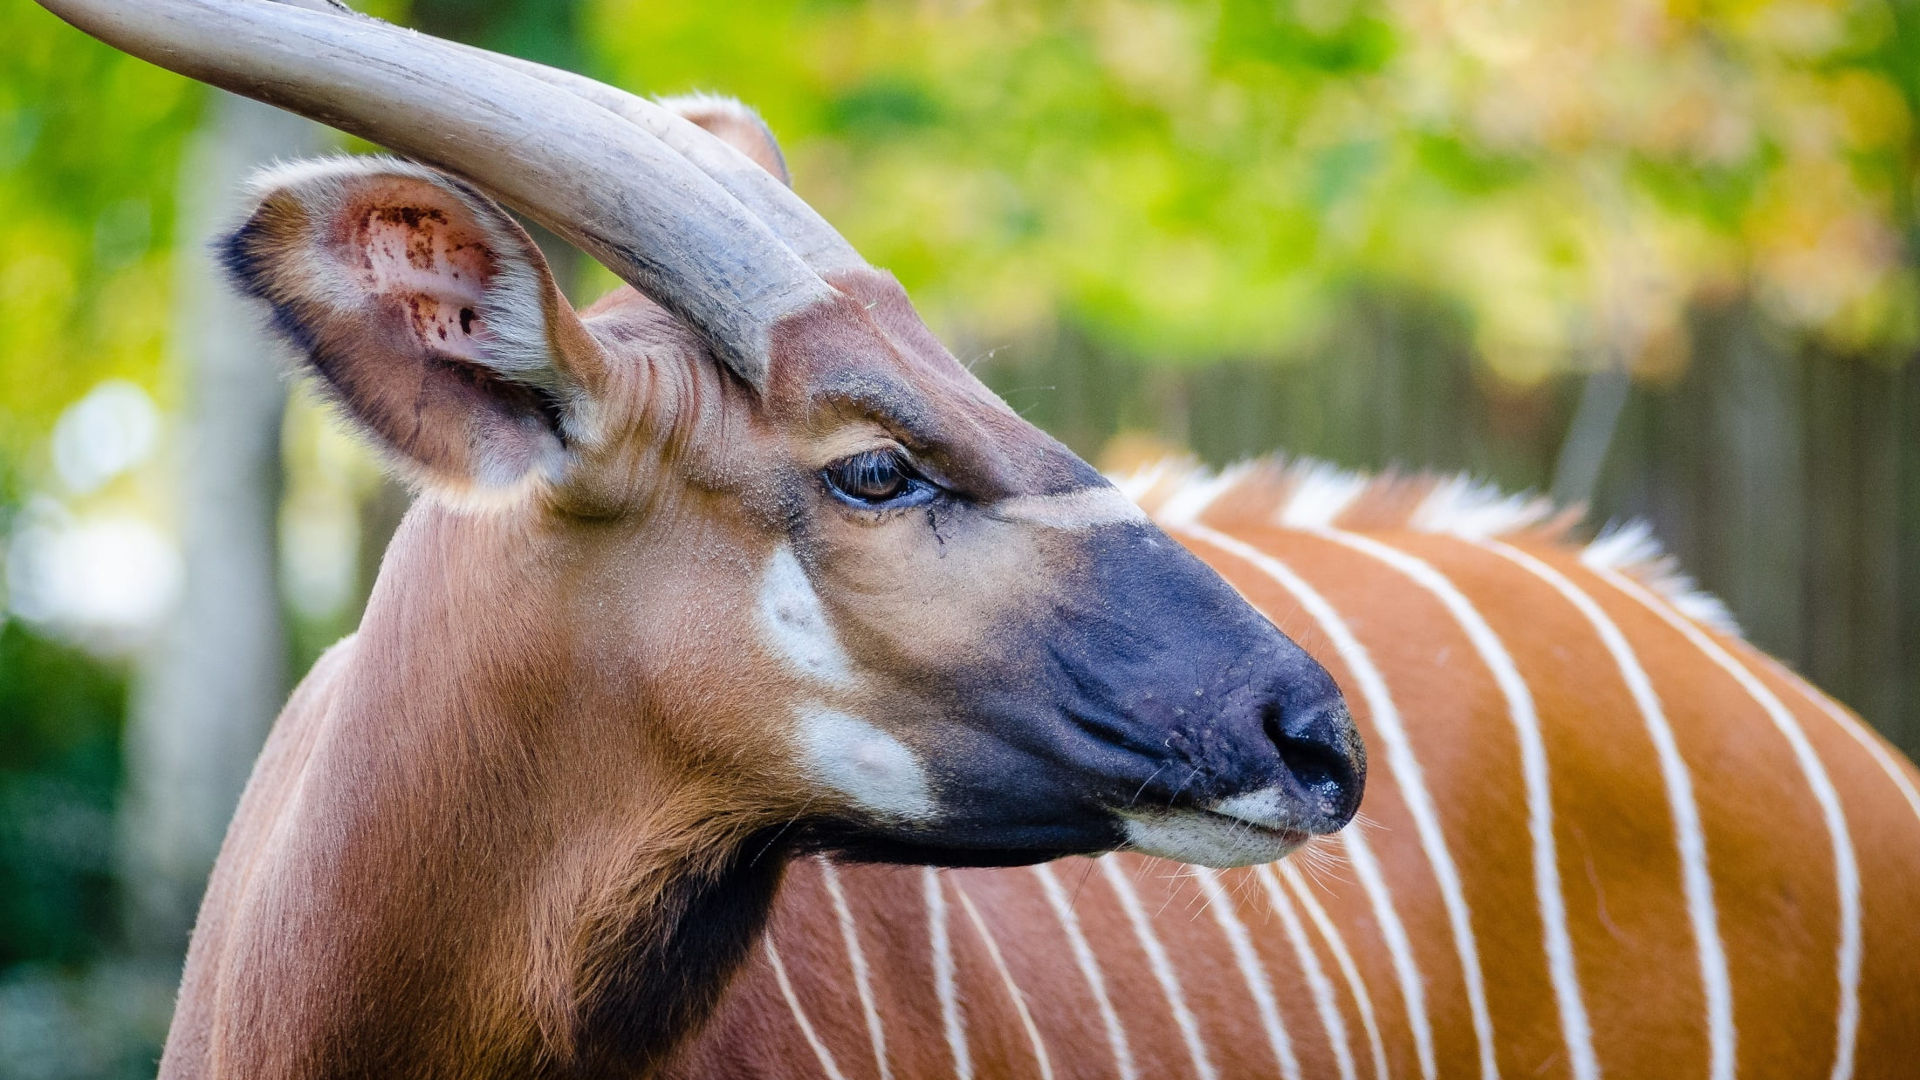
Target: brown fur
[(529, 819), (1771, 863)]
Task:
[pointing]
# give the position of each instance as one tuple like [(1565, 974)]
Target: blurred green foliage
[(61, 714), (86, 258), (1190, 181), (59, 771), (90, 143), (1175, 181), (1375, 229)]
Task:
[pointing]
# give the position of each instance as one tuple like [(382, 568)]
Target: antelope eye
[(877, 480)]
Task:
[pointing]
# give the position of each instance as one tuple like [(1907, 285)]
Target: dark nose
[(1323, 758)]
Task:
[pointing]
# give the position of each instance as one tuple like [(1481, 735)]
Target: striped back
[(1603, 836)]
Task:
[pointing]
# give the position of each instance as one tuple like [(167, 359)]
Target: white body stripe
[(1575, 1027), (944, 989), (1320, 495), (1349, 971), (1196, 495), (1162, 967), (862, 978), (1393, 932), (1251, 970), (820, 1051), (1858, 732), (1405, 768), (1689, 837), (1040, 1054), (1845, 863), (1090, 968), (1317, 982)]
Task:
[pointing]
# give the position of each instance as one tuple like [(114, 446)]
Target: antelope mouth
[(1281, 833), (1219, 836)]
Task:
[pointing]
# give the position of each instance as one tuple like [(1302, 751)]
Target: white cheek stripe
[(1086, 508), (793, 622), (872, 768)]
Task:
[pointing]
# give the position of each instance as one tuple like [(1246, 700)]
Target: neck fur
[(543, 907), (657, 953)]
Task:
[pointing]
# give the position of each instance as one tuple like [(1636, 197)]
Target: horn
[(817, 243), (607, 185)]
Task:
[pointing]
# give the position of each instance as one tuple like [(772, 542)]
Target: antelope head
[(737, 562), (747, 521)]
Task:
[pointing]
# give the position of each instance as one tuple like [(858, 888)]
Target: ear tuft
[(734, 124), (423, 309)]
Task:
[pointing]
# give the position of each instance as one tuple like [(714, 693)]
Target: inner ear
[(438, 269), (425, 311)]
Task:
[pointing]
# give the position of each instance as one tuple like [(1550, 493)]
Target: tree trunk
[(205, 696)]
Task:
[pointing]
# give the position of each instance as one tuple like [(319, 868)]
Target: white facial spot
[(867, 765), (1210, 839), (794, 624), (1085, 508)]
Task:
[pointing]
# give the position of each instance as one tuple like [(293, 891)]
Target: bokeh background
[(1660, 257)]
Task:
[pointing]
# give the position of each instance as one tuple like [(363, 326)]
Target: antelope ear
[(425, 311), (736, 125)]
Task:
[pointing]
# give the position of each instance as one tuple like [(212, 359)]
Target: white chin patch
[(793, 623), (1267, 807), (870, 767), (1195, 836)]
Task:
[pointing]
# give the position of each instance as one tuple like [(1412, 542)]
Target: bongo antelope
[(1602, 837), (647, 636), (737, 563)]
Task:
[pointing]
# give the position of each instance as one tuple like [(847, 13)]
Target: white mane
[(1308, 494)]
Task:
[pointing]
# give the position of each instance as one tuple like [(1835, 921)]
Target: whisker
[(1192, 771), (1075, 898), (782, 831), (1366, 823), (1144, 783), (1170, 879)]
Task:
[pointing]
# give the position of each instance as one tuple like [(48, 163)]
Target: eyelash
[(878, 480)]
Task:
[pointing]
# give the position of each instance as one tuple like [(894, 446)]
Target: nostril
[(1317, 750), (1314, 766)]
